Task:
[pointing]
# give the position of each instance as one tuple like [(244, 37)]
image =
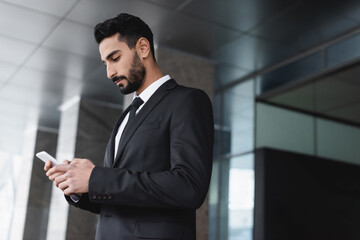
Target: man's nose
[(110, 72)]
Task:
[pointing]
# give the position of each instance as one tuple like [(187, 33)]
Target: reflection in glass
[(241, 198), (11, 192), (238, 117)]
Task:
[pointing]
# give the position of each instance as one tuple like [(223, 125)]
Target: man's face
[(123, 65)]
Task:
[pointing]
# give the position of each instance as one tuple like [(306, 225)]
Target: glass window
[(226, 74), (338, 141), (241, 197), (283, 129), (302, 68), (238, 119), (343, 51), (7, 194)]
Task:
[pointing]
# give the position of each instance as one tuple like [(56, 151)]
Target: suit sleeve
[(84, 203), (186, 183)]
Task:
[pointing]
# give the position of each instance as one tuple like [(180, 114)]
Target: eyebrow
[(111, 54)]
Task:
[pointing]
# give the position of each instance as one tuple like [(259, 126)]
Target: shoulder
[(189, 100), (189, 93), (180, 96)]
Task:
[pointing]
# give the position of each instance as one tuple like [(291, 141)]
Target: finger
[(59, 179), (63, 186), (68, 191), (55, 175), (47, 166), (57, 168), (66, 162), (75, 160)]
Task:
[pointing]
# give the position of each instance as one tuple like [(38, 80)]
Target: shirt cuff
[(75, 197)]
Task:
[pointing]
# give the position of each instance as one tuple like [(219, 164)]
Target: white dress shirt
[(145, 95)]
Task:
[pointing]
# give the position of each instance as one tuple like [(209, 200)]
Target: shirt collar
[(149, 91)]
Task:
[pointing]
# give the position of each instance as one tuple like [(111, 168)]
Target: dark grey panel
[(346, 8), (302, 68), (351, 75), (241, 15), (343, 51), (226, 74), (335, 95), (91, 12), (252, 53), (173, 4), (350, 112), (302, 98), (197, 36), (306, 25)]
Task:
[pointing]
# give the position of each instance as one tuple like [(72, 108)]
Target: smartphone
[(44, 156)]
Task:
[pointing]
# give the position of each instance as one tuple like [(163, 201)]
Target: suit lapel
[(159, 94), (109, 160)]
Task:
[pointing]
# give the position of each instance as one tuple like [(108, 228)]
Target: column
[(85, 129), (37, 214), (96, 121), (192, 71)]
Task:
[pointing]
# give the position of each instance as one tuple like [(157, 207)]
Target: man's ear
[(143, 48)]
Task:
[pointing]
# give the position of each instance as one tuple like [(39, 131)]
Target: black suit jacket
[(161, 172)]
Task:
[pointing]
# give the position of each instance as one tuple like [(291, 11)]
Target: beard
[(136, 77)]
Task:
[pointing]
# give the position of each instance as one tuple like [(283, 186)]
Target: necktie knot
[(136, 103)]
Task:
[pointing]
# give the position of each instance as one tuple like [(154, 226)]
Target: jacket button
[(94, 196), (109, 197)]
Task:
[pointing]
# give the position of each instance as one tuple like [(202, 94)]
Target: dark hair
[(129, 27)]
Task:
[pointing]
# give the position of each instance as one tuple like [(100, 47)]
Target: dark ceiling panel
[(91, 12), (345, 8), (306, 25), (226, 74), (234, 14), (252, 53), (173, 4), (198, 36)]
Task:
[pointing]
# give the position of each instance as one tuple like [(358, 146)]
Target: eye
[(116, 59)]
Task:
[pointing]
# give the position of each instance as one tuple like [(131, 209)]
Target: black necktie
[(136, 103), (133, 107)]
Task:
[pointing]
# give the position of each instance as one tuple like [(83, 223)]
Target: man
[(157, 165)]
